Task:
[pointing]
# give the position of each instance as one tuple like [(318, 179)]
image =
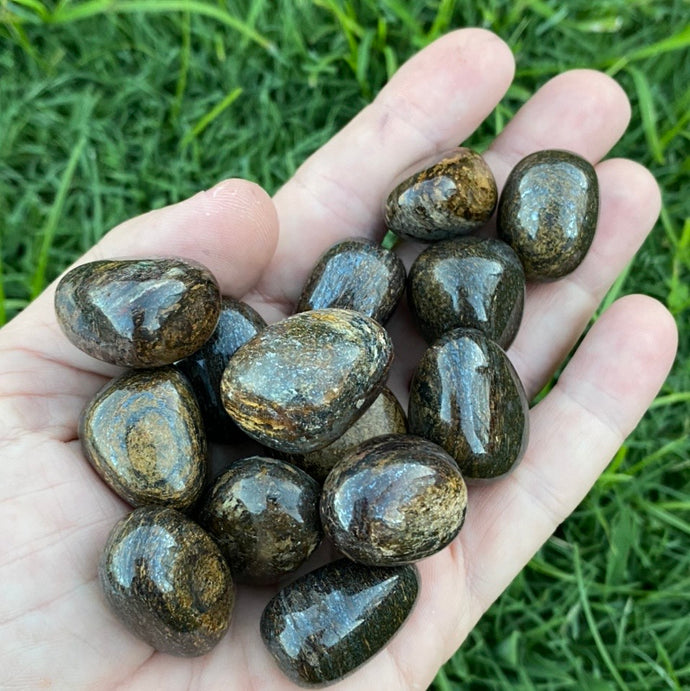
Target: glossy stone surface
[(327, 623), (548, 212), (144, 436), (300, 383), (355, 274), (264, 515), (167, 582), (466, 397), (453, 197), (384, 416), (237, 323), (393, 500), (138, 313), (468, 282)]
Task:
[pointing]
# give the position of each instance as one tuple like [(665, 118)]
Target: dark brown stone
[(300, 383), (468, 282), (455, 196), (237, 323), (264, 515), (548, 212), (327, 623), (144, 436), (166, 581), (393, 500), (138, 312), (466, 397), (384, 416), (355, 274)]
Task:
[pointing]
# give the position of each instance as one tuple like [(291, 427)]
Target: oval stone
[(356, 274), (468, 282), (237, 323), (393, 500), (327, 623), (466, 397), (138, 312), (548, 212), (166, 581), (454, 196), (144, 436), (264, 515), (300, 383), (384, 416)]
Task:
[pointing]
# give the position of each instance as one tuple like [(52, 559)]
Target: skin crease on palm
[(55, 513)]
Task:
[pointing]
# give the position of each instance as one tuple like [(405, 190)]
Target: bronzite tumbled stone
[(548, 212), (355, 274), (393, 500), (143, 434), (466, 397), (264, 515), (327, 623), (468, 282), (167, 582), (238, 322), (453, 197), (301, 382), (138, 312)]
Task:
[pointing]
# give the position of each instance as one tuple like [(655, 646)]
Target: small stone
[(301, 382), (548, 212), (138, 313), (166, 581), (264, 515), (237, 323), (453, 197), (466, 397), (384, 416), (469, 282), (327, 623), (355, 274), (393, 500), (144, 436)]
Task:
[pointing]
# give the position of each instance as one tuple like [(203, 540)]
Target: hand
[(55, 513)]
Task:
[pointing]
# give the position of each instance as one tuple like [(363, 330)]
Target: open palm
[(55, 512)]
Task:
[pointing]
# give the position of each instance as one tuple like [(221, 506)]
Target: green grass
[(111, 108)]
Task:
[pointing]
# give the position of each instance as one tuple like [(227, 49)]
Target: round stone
[(138, 312), (393, 500), (454, 196), (548, 212), (144, 436), (300, 383), (355, 274), (327, 623), (468, 282), (466, 397), (264, 515), (166, 581)]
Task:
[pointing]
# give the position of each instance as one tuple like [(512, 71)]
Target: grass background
[(109, 108)]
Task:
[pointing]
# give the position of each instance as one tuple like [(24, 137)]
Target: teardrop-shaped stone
[(468, 282), (264, 515), (301, 382), (384, 416), (355, 274), (548, 212), (167, 582), (237, 323), (393, 500), (144, 436), (453, 197), (466, 397), (327, 623), (138, 312)]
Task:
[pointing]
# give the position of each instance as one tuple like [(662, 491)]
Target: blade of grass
[(185, 53), (212, 114), (648, 114)]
